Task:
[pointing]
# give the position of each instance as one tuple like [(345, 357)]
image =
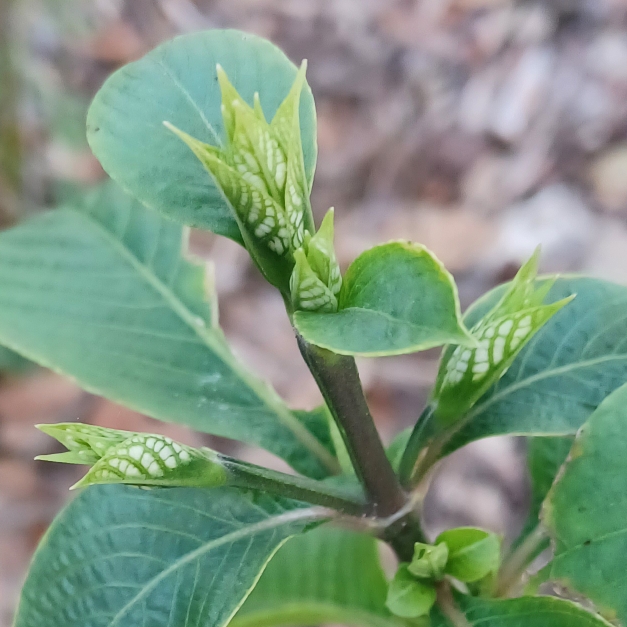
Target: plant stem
[(244, 475), (513, 568), (338, 380), (447, 604)]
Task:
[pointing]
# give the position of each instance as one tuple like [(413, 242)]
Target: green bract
[(104, 291)]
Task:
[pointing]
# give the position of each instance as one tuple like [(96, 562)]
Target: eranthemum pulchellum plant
[(217, 130)]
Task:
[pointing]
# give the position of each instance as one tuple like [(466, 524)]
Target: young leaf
[(151, 460), (105, 294), (407, 597), (327, 576), (308, 291), (260, 173), (472, 553), (321, 254), (121, 556), (178, 82), (396, 298), (525, 612), (467, 373), (86, 444), (429, 561), (559, 377), (586, 511), (316, 280)]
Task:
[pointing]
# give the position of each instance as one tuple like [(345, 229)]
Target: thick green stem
[(338, 380), (294, 487)]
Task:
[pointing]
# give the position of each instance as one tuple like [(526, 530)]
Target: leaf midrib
[(212, 340), (234, 536)]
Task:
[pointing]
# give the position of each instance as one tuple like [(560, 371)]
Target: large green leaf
[(104, 294), (396, 298), (525, 612), (177, 83), (586, 510), (326, 576), (121, 556)]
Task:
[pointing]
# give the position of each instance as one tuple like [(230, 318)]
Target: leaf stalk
[(338, 379)]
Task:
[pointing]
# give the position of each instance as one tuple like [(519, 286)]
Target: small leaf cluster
[(466, 554)]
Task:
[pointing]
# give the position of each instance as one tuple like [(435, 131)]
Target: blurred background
[(477, 127)]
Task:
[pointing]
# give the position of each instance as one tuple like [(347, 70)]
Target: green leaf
[(429, 561), (473, 553), (396, 298), (524, 612), (467, 373), (558, 379), (586, 511), (120, 556), (177, 82), (328, 575), (408, 597), (104, 293), (545, 457), (13, 363)]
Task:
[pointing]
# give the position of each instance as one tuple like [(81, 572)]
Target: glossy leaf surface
[(120, 556), (396, 298), (105, 294), (177, 82), (586, 511)]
